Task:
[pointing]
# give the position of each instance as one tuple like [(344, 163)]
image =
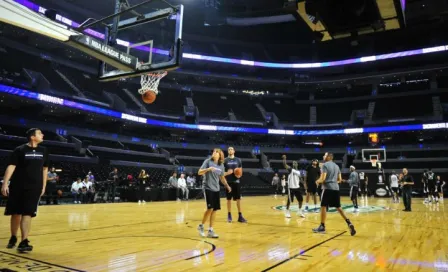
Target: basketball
[(149, 97), (59, 193), (238, 172)]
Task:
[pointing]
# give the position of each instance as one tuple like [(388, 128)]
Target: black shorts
[(312, 188), (23, 201), (363, 188), (236, 191), (354, 192), (330, 198), (213, 200), (394, 189), (431, 187), (295, 193)]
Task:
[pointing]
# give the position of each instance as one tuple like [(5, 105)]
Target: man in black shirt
[(113, 180), (28, 171), (230, 164), (425, 186), (406, 182), (312, 174)]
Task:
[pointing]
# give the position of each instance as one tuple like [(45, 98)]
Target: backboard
[(375, 153), (129, 45), (154, 39)]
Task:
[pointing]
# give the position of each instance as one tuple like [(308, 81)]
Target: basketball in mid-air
[(149, 97)]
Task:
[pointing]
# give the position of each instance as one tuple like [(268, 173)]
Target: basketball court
[(162, 236)]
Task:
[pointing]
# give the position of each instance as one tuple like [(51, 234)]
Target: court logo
[(15, 263), (381, 192), (348, 208)]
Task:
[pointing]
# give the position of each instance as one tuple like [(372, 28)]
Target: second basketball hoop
[(149, 85)]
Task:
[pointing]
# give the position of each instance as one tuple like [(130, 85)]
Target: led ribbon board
[(133, 118), (91, 32)]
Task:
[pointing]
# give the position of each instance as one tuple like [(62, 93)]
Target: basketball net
[(373, 161), (150, 82)]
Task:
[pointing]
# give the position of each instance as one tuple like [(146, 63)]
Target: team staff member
[(28, 170), (406, 182)]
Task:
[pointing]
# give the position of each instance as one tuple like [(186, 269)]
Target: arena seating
[(326, 112), (171, 99), (287, 110), (219, 105), (353, 91), (418, 105)]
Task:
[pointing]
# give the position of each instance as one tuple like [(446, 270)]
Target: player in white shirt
[(182, 185), (294, 180), (394, 187)]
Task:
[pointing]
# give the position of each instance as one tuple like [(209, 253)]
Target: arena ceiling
[(280, 21)]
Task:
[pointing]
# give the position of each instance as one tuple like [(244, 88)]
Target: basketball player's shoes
[(212, 234), (301, 214), (25, 246), (12, 242), (241, 219), (287, 214), (229, 218), (201, 230), (351, 227), (320, 229)]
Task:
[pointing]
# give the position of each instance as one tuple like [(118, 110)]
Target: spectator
[(142, 184), (190, 181), (90, 177), (88, 185), (76, 191), (182, 186)]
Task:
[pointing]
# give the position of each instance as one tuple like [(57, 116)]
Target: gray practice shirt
[(331, 181), (353, 179), (211, 179), (52, 175)]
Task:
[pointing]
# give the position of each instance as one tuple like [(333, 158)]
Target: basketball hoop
[(150, 82), (373, 161)]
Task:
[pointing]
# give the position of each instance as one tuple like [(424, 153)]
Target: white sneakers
[(299, 213)]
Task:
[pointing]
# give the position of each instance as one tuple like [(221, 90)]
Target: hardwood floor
[(162, 236)]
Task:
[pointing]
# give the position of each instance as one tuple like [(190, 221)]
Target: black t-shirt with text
[(312, 174), (232, 164), (29, 162)]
